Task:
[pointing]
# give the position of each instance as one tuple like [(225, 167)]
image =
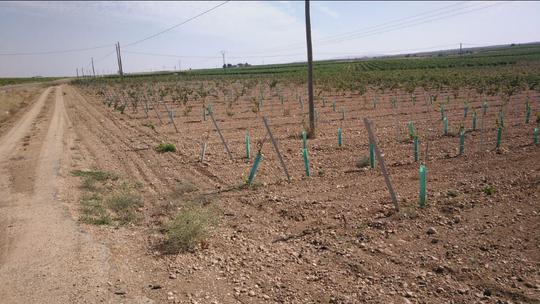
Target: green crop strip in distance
[(490, 71)]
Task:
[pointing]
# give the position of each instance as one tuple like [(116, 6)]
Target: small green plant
[(489, 190), (452, 193), (165, 147), (188, 110), (189, 228)]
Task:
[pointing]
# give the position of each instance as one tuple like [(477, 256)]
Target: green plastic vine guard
[(499, 137), (528, 115), (248, 147), (423, 192), (339, 139), (393, 100), (474, 121), (535, 138), (306, 161), (281, 99), (461, 142), (410, 125), (304, 140), (465, 110), (445, 125), (334, 105), (416, 149), (254, 168), (442, 113), (372, 156), (484, 108)]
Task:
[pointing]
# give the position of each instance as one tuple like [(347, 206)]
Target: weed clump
[(189, 228), (166, 147), (105, 201), (124, 204), (489, 190), (363, 162), (92, 210)]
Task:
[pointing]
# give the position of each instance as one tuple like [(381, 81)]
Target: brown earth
[(330, 238)]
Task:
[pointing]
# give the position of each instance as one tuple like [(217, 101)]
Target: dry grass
[(189, 228), (107, 200), (14, 99)]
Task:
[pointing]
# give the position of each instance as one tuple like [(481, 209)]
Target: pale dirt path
[(44, 255)]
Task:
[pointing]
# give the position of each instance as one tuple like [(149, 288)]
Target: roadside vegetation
[(107, 199)]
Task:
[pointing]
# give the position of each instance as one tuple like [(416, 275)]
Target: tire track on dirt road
[(47, 258)]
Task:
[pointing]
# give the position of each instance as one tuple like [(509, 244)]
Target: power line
[(177, 25), (385, 27), (57, 52), (168, 55), (407, 25), (112, 44), (286, 46)]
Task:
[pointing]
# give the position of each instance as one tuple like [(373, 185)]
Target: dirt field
[(330, 238)]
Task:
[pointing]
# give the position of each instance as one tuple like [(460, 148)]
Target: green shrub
[(189, 228), (166, 147), (489, 190)]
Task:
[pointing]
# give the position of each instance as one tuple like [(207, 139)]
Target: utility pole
[(77, 71), (223, 55), (93, 70), (119, 57), (311, 131), (460, 48)]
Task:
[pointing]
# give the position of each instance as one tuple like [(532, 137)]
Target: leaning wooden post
[(171, 117), (157, 114), (203, 151), (274, 143), (221, 135), (373, 141)]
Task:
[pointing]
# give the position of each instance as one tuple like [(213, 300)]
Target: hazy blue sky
[(254, 32)]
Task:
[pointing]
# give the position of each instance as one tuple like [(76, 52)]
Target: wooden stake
[(274, 143), (221, 135), (373, 140)]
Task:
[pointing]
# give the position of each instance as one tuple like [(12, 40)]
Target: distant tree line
[(238, 65)]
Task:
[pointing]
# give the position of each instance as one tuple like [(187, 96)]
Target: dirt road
[(44, 256)]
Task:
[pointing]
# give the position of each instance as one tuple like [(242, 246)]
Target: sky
[(258, 32)]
